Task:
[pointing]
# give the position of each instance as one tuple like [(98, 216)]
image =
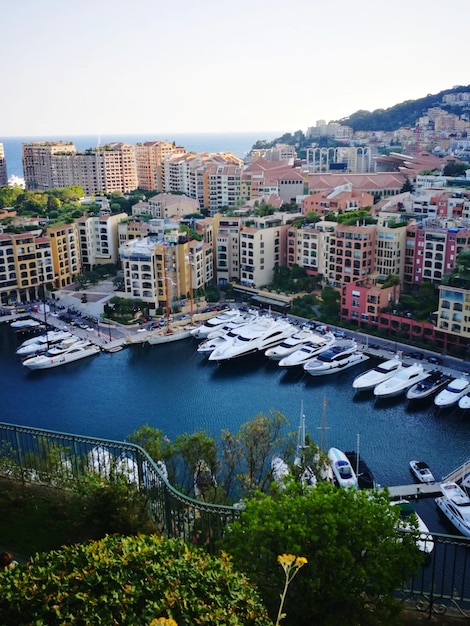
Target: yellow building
[(65, 253)]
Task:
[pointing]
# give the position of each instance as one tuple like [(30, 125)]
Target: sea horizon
[(239, 143)]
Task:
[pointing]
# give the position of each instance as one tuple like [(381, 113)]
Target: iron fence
[(42, 457)]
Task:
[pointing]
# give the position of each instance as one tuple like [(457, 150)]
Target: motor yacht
[(78, 350), (42, 342), (25, 324), (464, 402), (254, 337), (421, 471), (343, 472), (456, 389), (373, 377), (455, 504), (202, 331), (313, 347), (429, 386), (291, 344), (424, 539), (401, 381), (340, 356)]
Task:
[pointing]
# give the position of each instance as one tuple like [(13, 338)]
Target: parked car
[(436, 360)]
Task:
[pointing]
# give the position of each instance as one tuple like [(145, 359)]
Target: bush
[(129, 580)]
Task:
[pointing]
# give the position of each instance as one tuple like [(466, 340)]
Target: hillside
[(403, 114)]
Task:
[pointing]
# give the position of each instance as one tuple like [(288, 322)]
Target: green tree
[(329, 306), (246, 455), (349, 538), (129, 580), (407, 186), (192, 449)]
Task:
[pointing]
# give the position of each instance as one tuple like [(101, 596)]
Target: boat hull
[(333, 368), (168, 337), (46, 362)]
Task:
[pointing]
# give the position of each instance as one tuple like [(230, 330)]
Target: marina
[(174, 388)]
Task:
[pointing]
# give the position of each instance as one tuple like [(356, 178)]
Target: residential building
[(351, 254), (227, 248), (308, 246), (166, 205), (380, 186), (363, 301), (98, 239), (3, 168), (390, 246), (262, 248), (339, 200), (48, 164), (149, 157), (25, 266), (453, 315), (223, 186), (65, 250)]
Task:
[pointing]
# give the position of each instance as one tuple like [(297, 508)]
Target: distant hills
[(403, 114)]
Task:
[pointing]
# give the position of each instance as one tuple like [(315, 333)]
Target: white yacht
[(202, 331), (370, 379), (42, 342), (464, 402), (291, 344), (455, 504), (341, 356), (25, 324), (170, 334), (424, 539), (401, 381), (78, 350), (343, 472), (211, 343), (429, 386), (456, 389), (314, 346), (259, 335)]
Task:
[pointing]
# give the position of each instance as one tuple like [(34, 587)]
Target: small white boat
[(424, 540), (429, 386), (312, 348), (421, 472), (75, 352), (279, 469), (339, 357), (373, 377), (456, 389), (343, 472), (455, 504), (401, 381), (291, 344), (25, 324)]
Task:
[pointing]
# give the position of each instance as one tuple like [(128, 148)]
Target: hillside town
[(206, 219)]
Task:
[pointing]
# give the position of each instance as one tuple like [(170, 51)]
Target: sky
[(136, 66)]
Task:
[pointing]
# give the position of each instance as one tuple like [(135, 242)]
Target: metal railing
[(42, 457)]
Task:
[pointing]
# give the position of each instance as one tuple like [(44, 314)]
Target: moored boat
[(170, 334), (25, 324), (337, 358), (373, 377), (365, 477), (429, 386), (77, 351), (455, 504), (291, 344), (421, 471), (451, 394), (424, 539), (464, 402), (313, 347), (42, 342), (202, 331), (343, 472), (401, 381)]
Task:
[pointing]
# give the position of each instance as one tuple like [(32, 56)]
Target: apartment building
[(261, 250), (390, 246), (351, 254), (65, 250), (308, 247), (166, 205), (201, 264), (25, 266), (339, 200), (380, 185), (363, 301), (149, 157), (453, 315), (48, 164), (156, 271), (98, 239), (106, 169), (3, 168), (227, 248), (223, 186), (431, 251)]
